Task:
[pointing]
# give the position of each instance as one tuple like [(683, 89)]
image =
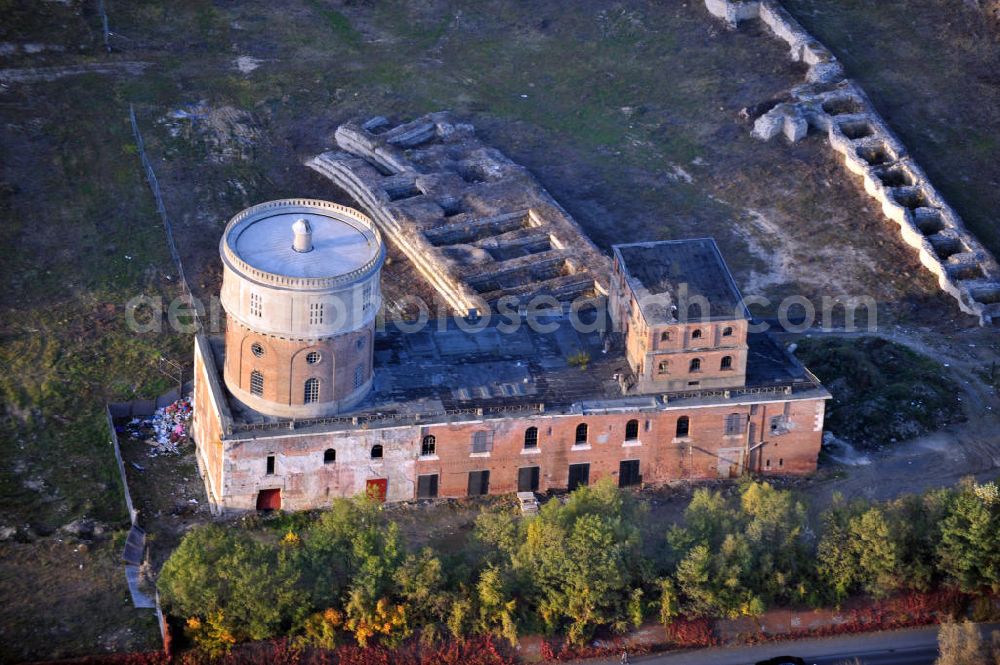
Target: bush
[(881, 390)]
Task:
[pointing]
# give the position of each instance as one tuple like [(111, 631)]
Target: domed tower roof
[(302, 240)]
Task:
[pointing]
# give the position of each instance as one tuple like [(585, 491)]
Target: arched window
[(531, 437), (695, 365), (428, 445), (312, 391), (377, 451), (727, 362), (329, 456), (664, 336), (727, 331), (696, 334), (581, 433), (632, 430), (256, 383), (683, 426), (663, 367)]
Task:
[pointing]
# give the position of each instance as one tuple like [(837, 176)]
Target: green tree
[(420, 584), (580, 561), (496, 606), (239, 585), (669, 602), (969, 549), (877, 552)]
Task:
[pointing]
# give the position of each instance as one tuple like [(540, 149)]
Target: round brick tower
[(300, 288)]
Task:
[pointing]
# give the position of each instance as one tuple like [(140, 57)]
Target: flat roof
[(341, 245), (448, 373), (669, 277)]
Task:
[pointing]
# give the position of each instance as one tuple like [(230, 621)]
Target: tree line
[(585, 564)]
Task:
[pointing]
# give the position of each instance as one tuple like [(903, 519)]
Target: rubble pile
[(166, 430)]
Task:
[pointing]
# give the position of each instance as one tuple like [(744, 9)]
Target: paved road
[(914, 646)]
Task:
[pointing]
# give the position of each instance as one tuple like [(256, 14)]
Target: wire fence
[(154, 185)]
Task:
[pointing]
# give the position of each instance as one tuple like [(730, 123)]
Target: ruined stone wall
[(706, 452), (476, 225), (837, 106)]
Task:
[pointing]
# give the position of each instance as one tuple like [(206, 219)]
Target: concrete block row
[(830, 103)]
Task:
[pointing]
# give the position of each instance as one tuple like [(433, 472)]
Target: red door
[(376, 488), (269, 500)]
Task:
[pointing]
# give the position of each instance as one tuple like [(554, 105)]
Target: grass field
[(627, 113)]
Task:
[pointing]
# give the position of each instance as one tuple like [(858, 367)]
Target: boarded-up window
[(734, 423), (482, 442)]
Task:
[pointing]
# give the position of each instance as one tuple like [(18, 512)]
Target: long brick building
[(306, 399)]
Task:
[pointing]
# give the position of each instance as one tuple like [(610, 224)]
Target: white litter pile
[(166, 430)]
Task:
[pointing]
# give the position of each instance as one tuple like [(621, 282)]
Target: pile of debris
[(166, 430)]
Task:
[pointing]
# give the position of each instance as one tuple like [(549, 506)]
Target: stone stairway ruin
[(835, 105), (476, 225)]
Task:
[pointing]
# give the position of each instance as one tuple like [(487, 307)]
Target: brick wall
[(706, 452)]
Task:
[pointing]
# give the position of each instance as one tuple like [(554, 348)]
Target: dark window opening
[(479, 483), (527, 479), (628, 473), (429, 445), (781, 461), (727, 332), (427, 486), (270, 465), (695, 365), (683, 426), (377, 451), (632, 430), (581, 433), (579, 474), (329, 456), (531, 437), (664, 336), (727, 362), (663, 367), (696, 334)]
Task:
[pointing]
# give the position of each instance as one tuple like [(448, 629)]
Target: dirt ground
[(627, 112)]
